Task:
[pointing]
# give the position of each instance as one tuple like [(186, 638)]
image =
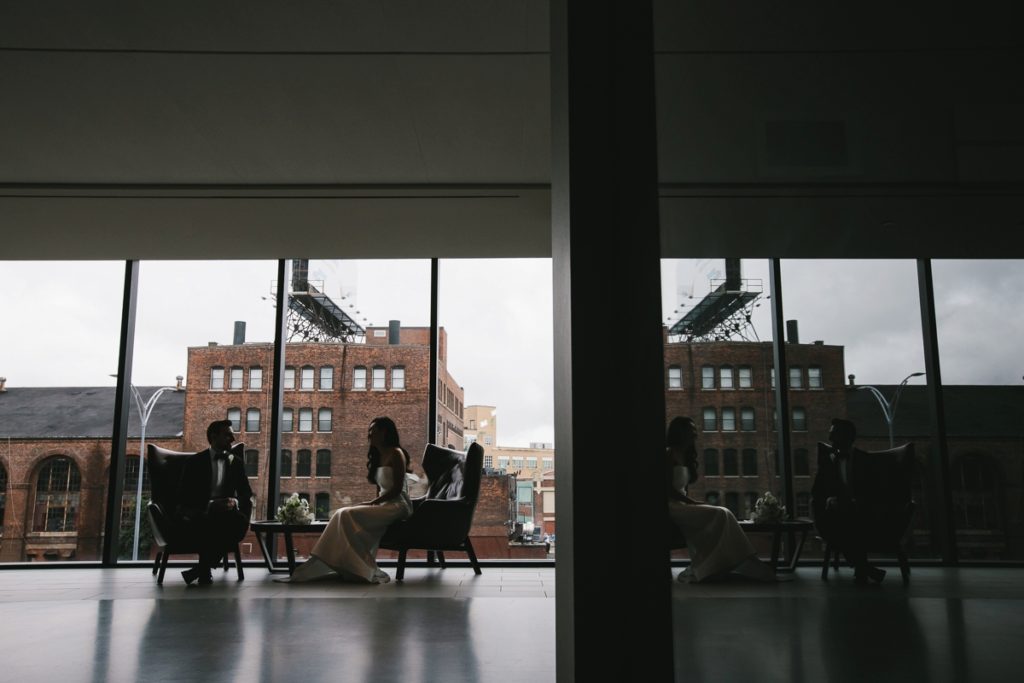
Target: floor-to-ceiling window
[(59, 349)]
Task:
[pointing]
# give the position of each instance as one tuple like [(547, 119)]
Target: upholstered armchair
[(165, 468), (883, 502), (442, 518)]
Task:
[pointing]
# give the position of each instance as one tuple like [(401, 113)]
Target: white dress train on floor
[(715, 541), (348, 546)]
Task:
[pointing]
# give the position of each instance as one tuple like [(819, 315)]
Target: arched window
[(975, 483), (675, 377), (803, 504), (235, 416), (725, 377), (216, 378), (398, 378), (323, 504), (57, 496), (131, 487), (235, 379), (252, 420), (749, 501), (323, 463), (801, 463), (286, 463), (732, 501), (749, 462), (302, 463), (710, 462), (712, 497), (378, 378), (710, 420), (306, 378), (359, 378)]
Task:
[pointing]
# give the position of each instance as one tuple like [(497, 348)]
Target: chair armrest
[(160, 523), (434, 524)]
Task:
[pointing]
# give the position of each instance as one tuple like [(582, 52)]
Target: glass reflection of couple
[(714, 539), (347, 549)]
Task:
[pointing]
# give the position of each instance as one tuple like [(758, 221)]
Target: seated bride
[(347, 549)]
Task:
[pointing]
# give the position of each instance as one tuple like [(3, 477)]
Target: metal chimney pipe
[(792, 332), (239, 332), (394, 332)]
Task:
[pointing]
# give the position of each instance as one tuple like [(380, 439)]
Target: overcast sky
[(61, 323)]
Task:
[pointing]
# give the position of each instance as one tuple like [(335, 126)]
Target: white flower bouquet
[(767, 509), (294, 510)]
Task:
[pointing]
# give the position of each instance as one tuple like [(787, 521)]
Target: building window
[(302, 463), (801, 463), (730, 463), (323, 463), (728, 419), (707, 377), (747, 419), (488, 440), (502, 463), (3, 493), (235, 416), (57, 492), (725, 377), (305, 419), (712, 498), (710, 420), (306, 378), (732, 501), (255, 379), (216, 379), (323, 503), (675, 377), (252, 462), (235, 379), (324, 420), (710, 462), (803, 504), (398, 378), (287, 420), (746, 377), (517, 462), (975, 483), (796, 378), (531, 462), (749, 462), (286, 463), (771, 374), (359, 379), (548, 463), (378, 378), (252, 420), (799, 420), (289, 378), (488, 462), (326, 378), (814, 377)]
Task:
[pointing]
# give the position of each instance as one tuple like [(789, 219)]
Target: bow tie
[(840, 455), (221, 455)]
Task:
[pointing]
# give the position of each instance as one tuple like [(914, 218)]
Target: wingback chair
[(442, 518), (165, 468), (887, 504)]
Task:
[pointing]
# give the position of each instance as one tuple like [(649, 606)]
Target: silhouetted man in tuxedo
[(215, 500), (843, 473)]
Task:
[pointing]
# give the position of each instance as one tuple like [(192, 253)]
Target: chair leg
[(904, 566), (472, 557), (156, 562), (400, 572), (227, 560), (238, 563), (824, 562), (440, 559), (431, 560), (165, 555)]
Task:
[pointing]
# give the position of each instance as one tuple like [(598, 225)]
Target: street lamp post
[(145, 409), (889, 406)]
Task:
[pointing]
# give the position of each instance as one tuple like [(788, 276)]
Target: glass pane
[(496, 358), (197, 320), (980, 323), (858, 325), (718, 330), (344, 318), (60, 346)]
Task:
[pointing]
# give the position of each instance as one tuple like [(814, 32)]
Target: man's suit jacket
[(194, 485), (828, 482)]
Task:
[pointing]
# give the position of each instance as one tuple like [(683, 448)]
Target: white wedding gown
[(715, 541), (348, 546)]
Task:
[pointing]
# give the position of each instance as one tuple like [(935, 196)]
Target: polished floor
[(116, 625)]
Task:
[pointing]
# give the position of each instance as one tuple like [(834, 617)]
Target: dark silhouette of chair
[(883, 502), (442, 518), (164, 474)]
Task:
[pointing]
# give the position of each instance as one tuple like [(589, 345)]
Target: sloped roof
[(83, 412), (971, 410)]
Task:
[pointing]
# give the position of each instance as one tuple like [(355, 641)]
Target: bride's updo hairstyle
[(390, 439), (678, 436)]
